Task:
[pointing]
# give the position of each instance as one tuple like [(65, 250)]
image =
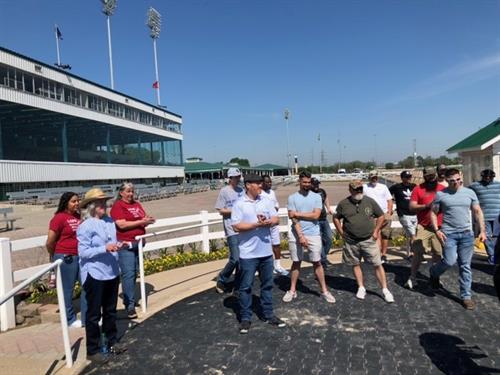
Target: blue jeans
[(70, 274), (490, 241), (129, 265), (326, 239), (233, 262), (458, 246), (248, 267)]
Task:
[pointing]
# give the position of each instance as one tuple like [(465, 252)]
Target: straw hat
[(93, 195)]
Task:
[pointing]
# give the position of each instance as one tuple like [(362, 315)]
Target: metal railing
[(60, 300)]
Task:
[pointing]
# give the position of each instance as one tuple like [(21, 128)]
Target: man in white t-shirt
[(268, 192), (381, 194), (252, 217)]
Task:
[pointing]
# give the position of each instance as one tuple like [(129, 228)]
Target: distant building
[(58, 129), (479, 151), (202, 170), (194, 159)]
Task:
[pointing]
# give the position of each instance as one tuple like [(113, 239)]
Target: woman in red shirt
[(131, 221), (62, 244)]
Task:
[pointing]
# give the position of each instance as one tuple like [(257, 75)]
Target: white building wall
[(12, 171)]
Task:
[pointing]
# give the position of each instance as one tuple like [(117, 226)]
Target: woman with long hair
[(62, 244), (131, 221)]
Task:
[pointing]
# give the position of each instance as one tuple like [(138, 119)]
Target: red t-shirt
[(421, 195), (122, 210), (65, 225)]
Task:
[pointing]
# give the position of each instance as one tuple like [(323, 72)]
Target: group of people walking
[(97, 250), (437, 216)]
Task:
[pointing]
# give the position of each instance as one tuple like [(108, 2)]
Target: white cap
[(233, 172)]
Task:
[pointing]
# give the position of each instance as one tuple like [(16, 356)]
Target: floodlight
[(108, 7), (154, 22)]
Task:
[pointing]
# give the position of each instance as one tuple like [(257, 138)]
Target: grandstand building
[(58, 129)]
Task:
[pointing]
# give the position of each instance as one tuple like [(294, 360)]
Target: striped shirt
[(93, 235), (489, 198)]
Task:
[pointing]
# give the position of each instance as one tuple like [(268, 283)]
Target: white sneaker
[(409, 283), (76, 324), (328, 297), (361, 294), (389, 298), (289, 296), (280, 271)]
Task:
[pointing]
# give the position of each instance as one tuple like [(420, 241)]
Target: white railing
[(7, 297)]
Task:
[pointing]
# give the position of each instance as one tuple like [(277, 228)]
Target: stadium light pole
[(286, 113), (154, 24), (108, 8)]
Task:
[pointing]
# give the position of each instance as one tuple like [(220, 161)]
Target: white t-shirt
[(380, 193), (255, 243), (271, 195)]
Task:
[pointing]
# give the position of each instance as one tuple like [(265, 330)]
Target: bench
[(8, 220)]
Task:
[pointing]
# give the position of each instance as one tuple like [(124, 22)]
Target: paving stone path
[(422, 333)]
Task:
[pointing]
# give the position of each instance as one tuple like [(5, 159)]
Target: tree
[(240, 162), (389, 165)]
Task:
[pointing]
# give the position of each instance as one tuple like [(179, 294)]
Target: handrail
[(60, 299), (166, 231)]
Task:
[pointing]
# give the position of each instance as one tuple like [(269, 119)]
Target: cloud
[(452, 78)]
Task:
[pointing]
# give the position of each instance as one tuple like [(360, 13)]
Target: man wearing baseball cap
[(224, 204), (408, 220), (354, 221), (426, 240), (488, 193)]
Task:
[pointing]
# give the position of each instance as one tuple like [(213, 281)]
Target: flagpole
[(57, 47), (157, 75), (320, 154)]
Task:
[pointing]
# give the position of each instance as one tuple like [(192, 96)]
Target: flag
[(58, 33), (156, 85)]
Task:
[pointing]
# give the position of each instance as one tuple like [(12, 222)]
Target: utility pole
[(414, 153)]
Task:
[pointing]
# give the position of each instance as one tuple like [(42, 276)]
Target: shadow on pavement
[(451, 355)]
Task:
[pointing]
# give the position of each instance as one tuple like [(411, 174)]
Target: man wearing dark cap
[(252, 217), (324, 225), (408, 220), (488, 193), (426, 240), (355, 221)]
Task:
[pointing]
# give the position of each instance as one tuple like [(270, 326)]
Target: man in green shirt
[(359, 229)]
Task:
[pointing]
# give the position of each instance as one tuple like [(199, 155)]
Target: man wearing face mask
[(488, 193), (456, 203), (360, 231), (426, 240)]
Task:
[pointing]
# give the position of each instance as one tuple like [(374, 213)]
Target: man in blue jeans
[(456, 202), (324, 224), (252, 217), (224, 204)]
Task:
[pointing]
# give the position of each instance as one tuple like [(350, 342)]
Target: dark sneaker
[(244, 327), (434, 283), (98, 358), (131, 314), (220, 287), (275, 321), (383, 258), (117, 349), (468, 304)]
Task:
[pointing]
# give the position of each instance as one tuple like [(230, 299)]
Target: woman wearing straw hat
[(131, 221), (98, 249)]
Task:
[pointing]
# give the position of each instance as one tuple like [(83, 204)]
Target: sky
[(366, 78)]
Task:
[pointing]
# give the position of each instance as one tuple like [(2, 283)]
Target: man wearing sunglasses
[(456, 203)]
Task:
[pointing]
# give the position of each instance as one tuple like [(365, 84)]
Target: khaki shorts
[(386, 229), (426, 242), (314, 249), (368, 250)]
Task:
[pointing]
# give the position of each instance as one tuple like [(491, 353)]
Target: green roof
[(270, 167), (202, 166), (479, 138)]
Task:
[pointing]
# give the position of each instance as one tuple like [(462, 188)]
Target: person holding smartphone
[(98, 248), (62, 244)]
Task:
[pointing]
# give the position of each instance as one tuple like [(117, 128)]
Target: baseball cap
[(429, 170), (373, 174), (405, 174), (253, 178), (233, 172), (356, 184)]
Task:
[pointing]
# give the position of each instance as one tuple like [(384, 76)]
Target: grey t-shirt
[(226, 199), (455, 207)]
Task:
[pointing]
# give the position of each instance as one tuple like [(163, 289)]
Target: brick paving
[(422, 333)]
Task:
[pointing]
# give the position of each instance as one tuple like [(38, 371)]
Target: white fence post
[(205, 244), (141, 275), (7, 310), (62, 315)]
